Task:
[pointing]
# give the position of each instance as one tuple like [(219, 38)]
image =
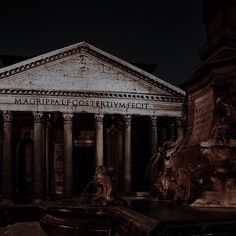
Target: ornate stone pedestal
[(209, 152)]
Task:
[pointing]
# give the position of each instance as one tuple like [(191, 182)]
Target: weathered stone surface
[(111, 105), (81, 72), (23, 228), (82, 78)]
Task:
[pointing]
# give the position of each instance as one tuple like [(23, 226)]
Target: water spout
[(84, 191)]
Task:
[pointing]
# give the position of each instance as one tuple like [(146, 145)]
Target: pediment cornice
[(84, 48), (93, 94)]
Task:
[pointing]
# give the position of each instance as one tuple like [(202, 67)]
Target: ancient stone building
[(65, 112)]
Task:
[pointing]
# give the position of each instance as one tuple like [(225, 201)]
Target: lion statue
[(104, 184)]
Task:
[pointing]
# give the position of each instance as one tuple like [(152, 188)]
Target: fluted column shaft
[(127, 154), (68, 155), (38, 156), (7, 168), (99, 139)]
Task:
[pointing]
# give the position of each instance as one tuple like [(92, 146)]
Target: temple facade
[(65, 112)]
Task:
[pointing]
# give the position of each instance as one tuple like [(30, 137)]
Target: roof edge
[(73, 49)]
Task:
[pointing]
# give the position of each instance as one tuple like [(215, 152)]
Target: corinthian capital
[(99, 118), (68, 117), (154, 121), (38, 116), (127, 121), (7, 116)]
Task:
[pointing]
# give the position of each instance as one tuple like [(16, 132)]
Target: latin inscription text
[(81, 103)]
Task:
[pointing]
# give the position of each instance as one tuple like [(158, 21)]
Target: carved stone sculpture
[(164, 186), (104, 185), (219, 150)]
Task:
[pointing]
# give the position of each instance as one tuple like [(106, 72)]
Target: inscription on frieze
[(92, 104), (80, 102), (203, 117)]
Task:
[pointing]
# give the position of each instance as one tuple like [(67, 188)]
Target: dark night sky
[(168, 34)]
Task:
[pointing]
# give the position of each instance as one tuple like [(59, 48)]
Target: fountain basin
[(67, 217), (175, 219), (140, 215)]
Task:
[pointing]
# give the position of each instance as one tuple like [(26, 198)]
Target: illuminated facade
[(70, 110)]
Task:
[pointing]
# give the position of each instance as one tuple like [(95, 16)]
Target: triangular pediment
[(82, 67)]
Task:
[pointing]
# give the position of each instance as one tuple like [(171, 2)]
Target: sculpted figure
[(219, 151), (229, 109), (155, 164), (162, 184), (183, 186), (173, 146), (215, 154), (104, 184), (220, 133)]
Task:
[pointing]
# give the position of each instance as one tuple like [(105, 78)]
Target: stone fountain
[(98, 214), (87, 215), (203, 159), (220, 152)]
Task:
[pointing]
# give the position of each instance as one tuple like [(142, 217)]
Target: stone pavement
[(22, 229)]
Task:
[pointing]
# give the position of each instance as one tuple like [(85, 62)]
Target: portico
[(70, 110)]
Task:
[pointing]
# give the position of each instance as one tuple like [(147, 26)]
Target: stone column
[(153, 150), (47, 155), (120, 155), (99, 139), (127, 154), (68, 155), (7, 168), (154, 141), (38, 157), (107, 147)]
